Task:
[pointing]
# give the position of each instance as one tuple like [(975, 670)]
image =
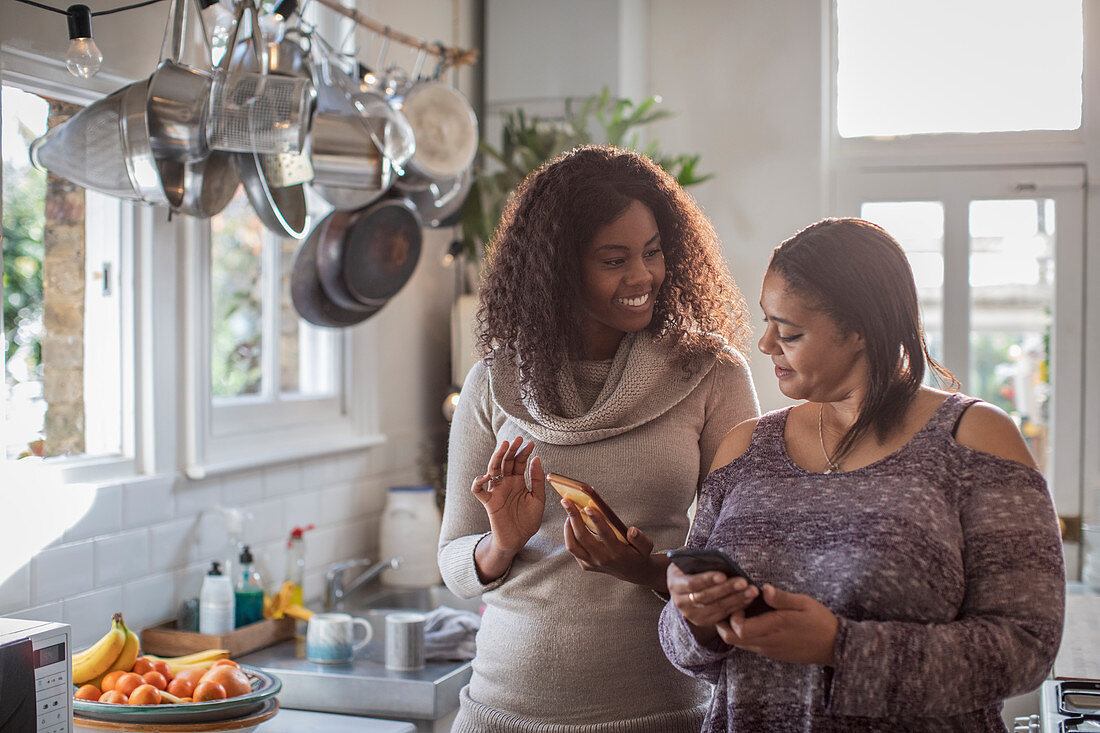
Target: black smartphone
[(694, 561)]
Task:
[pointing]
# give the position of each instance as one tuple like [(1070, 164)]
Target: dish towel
[(450, 633)]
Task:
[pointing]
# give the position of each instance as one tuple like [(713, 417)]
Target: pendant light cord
[(97, 13)]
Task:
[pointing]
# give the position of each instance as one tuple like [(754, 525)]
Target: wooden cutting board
[(1079, 656)]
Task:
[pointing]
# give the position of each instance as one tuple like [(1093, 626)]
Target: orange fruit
[(127, 683), (181, 687), (208, 691), (145, 695), (143, 665), (225, 663), (191, 674), (232, 679), (88, 692), (111, 678), (156, 679), (164, 669), (114, 696)]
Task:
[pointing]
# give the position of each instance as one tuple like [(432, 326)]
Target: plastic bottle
[(248, 591), (410, 530), (216, 602), (296, 562)]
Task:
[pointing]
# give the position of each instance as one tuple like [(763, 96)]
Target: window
[(957, 66), (66, 387), (998, 256)]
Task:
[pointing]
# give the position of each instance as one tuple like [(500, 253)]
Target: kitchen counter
[(363, 687), (301, 721)]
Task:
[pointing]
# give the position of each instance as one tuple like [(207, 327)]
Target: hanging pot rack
[(449, 55)]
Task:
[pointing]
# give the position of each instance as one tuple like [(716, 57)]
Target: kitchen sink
[(375, 606), (364, 686)]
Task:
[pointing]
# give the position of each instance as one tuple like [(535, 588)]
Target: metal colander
[(260, 113), (88, 149)]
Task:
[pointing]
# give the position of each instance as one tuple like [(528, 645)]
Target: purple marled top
[(943, 565)]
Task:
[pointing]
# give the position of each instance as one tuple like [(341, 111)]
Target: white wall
[(744, 80), (141, 546)]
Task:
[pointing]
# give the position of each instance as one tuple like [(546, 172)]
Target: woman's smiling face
[(622, 269), (814, 359)]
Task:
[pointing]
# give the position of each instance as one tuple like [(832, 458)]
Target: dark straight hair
[(858, 275)]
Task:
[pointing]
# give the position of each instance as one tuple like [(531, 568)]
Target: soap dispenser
[(216, 603), (248, 591)]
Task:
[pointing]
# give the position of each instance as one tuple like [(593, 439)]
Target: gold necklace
[(834, 467)]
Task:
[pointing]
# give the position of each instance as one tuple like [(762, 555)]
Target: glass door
[(998, 258)]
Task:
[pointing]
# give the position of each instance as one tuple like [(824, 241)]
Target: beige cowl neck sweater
[(562, 650)]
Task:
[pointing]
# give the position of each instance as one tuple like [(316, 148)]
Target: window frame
[(46, 77), (848, 158), (256, 430)]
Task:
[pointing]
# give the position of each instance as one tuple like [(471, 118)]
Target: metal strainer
[(256, 112), (87, 148)]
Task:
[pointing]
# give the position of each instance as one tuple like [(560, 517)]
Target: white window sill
[(273, 454)]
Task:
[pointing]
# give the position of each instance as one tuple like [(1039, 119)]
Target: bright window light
[(938, 66)]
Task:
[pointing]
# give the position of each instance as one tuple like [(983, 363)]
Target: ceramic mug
[(330, 637)]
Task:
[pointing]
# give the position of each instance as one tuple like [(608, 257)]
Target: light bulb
[(83, 58)]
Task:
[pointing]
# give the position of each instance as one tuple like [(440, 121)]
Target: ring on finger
[(694, 600), (496, 479)]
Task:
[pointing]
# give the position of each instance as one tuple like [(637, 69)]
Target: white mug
[(330, 637)]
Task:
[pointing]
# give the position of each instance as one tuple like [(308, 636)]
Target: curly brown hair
[(530, 305)]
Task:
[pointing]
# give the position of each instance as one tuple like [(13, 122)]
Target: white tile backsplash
[(143, 546), (172, 545), (282, 480), (150, 600), (63, 571), (15, 590), (238, 489), (104, 516), (90, 614), (121, 557), (147, 501)]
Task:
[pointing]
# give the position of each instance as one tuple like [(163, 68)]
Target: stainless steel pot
[(445, 128), (439, 202), (179, 97), (201, 188)]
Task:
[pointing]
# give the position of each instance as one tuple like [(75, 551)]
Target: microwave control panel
[(38, 661)]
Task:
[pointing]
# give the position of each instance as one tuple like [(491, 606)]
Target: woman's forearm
[(490, 560)]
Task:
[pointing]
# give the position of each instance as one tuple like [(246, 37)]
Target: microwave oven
[(36, 677)]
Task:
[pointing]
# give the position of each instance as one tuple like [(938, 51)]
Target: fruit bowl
[(264, 686)]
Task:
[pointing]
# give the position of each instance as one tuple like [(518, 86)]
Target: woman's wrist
[(491, 560), (657, 576)]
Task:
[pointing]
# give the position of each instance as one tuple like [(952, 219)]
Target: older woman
[(907, 543), (607, 318)]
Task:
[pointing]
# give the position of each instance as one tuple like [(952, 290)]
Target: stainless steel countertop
[(363, 687)]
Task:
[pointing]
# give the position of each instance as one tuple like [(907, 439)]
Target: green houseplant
[(527, 142)]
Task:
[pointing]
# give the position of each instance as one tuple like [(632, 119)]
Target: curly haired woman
[(609, 327)]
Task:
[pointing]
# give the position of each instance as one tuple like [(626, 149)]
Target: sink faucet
[(335, 588)]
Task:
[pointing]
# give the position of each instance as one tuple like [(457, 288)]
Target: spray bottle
[(296, 561)]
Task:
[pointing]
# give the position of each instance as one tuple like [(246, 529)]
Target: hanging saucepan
[(439, 202), (349, 171), (445, 128), (282, 209), (196, 181), (309, 298), (367, 256)]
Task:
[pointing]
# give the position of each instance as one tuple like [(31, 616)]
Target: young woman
[(609, 327), (907, 543)]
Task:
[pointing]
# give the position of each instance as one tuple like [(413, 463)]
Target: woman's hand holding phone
[(709, 598), (515, 513), (800, 629), (631, 561)]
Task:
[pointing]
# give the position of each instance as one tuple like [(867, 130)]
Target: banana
[(188, 660), (299, 612), (126, 658), (96, 660)]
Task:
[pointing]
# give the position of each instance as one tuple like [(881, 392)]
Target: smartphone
[(585, 496), (707, 559)]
